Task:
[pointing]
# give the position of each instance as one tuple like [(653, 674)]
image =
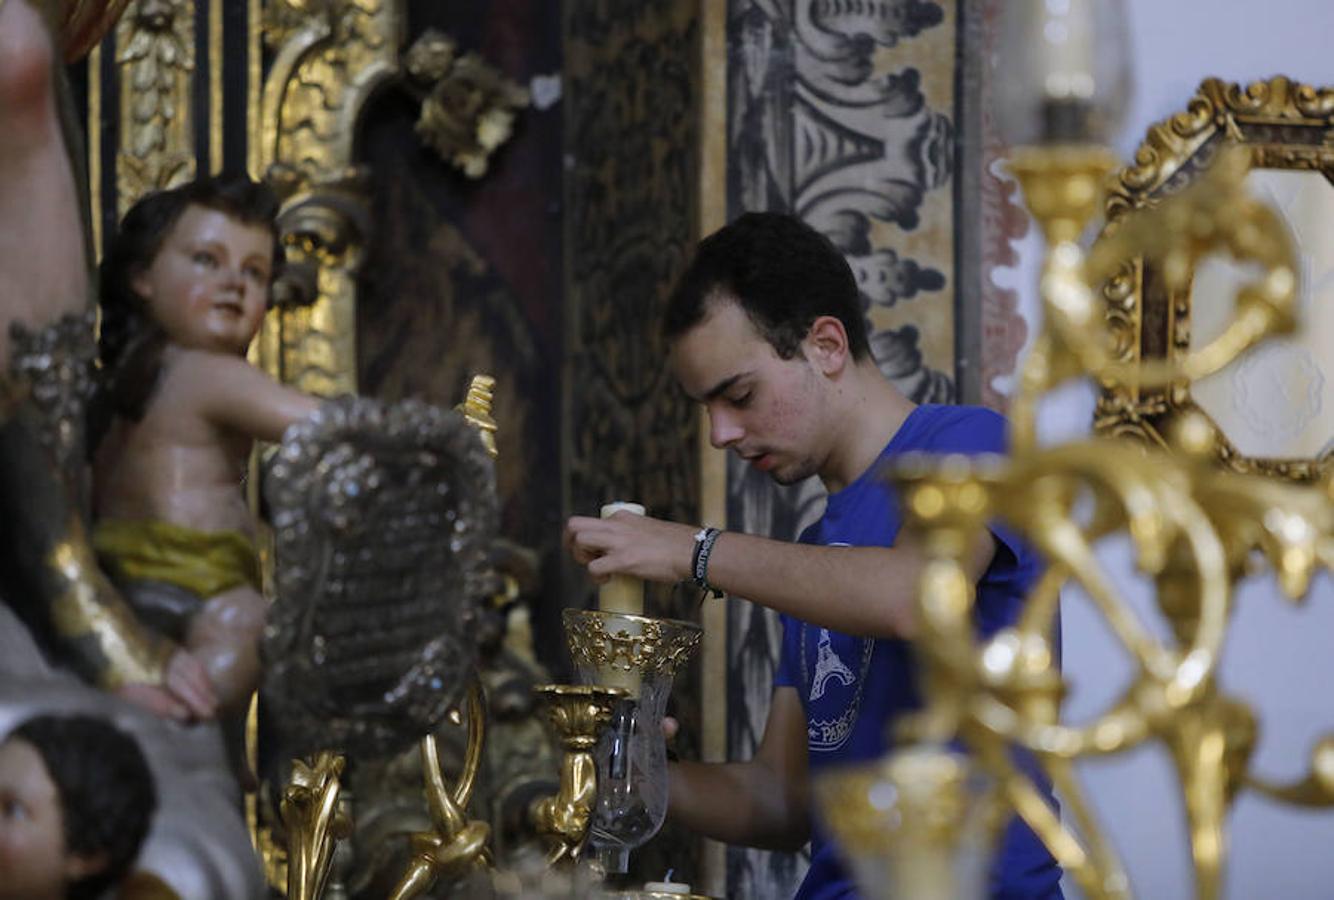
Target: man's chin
[(789, 476)]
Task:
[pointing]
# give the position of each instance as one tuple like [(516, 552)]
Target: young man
[(766, 330)]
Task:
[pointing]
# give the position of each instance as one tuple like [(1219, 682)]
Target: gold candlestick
[(578, 714)]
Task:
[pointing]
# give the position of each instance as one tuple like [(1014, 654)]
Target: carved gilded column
[(329, 57)]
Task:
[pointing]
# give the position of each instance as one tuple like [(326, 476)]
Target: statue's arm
[(233, 394)]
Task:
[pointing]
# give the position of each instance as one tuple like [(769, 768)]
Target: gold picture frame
[(1288, 127)]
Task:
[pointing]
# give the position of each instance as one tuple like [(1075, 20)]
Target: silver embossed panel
[(384, 517)]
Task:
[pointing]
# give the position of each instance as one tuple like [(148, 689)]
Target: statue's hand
[(186, 692)]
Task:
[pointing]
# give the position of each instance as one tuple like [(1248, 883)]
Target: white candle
[(622, 593)]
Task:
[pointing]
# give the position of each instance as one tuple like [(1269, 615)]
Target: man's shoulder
[(957, 429)]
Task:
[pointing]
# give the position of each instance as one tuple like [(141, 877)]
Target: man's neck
[(873, 410)]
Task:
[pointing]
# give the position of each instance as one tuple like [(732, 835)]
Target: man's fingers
[(601, 568), (670, 727)]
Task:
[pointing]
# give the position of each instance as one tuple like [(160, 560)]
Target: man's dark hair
[(782, 272), (106, 792), (130, 343)]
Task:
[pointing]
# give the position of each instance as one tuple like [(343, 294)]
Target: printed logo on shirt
[(827, 666), (834, 689)]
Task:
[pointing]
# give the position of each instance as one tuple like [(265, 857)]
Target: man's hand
[(185, 694), (627, 544)]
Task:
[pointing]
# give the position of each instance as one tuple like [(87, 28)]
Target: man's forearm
[(855, 590), (737, 803), (869, 591)]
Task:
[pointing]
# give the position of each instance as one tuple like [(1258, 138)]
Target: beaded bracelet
[(705, 538)]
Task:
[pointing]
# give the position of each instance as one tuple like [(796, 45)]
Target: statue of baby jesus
[(185, 285)]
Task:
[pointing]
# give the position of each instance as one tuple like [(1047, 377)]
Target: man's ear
[(826, 344)]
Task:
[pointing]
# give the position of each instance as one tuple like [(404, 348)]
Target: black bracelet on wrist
[(705, 538)]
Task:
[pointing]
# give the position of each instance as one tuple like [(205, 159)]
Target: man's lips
[(762, 461)]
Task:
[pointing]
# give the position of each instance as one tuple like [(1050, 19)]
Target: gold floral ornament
[(468, 107), (340, 20), (604, 641)]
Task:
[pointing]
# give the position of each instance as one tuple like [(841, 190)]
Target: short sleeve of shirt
[(975, 431)]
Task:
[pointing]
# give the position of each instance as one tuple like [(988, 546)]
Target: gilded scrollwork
[(314, 821), (1283, 125), (156, 56), (329, 57)]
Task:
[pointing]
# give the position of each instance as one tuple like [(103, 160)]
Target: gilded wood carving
[(1285, 126), (156, 61)]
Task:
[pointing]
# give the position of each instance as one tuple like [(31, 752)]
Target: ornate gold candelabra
[(1195, 530), (578, 714)]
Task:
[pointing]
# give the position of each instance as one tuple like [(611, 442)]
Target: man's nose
[(724, 431)]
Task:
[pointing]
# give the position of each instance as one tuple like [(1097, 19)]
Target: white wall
[(1278, 656)]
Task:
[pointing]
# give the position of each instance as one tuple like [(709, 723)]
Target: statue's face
[(32, 837), (209, 284)]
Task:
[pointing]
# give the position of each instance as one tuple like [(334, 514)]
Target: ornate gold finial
[(476, 408)]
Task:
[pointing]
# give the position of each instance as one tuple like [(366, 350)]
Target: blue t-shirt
[(853, 688)]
